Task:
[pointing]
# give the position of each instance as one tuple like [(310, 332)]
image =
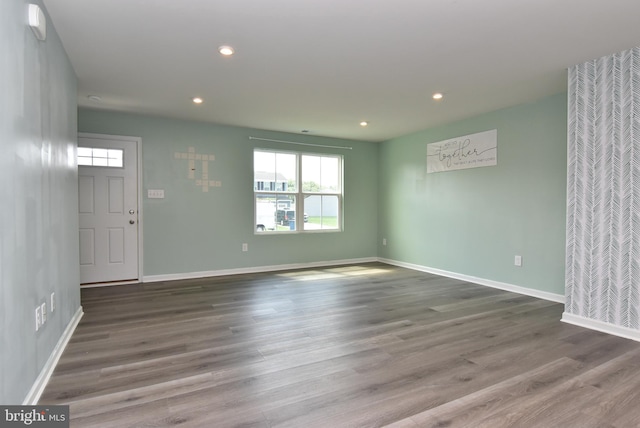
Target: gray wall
[(38, 214)]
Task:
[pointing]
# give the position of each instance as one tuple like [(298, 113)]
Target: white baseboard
[(257, 269), (559, 298), (45, 374), (260, 269), (108, 284), (601, 326)]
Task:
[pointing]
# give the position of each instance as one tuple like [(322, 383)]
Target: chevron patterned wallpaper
[(603, 190)]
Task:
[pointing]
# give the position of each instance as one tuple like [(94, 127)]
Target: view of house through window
[(288, 183)]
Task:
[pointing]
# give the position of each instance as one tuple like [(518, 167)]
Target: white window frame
[(300, 195), (100, 157)]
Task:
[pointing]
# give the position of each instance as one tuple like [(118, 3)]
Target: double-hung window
[(297, 192)]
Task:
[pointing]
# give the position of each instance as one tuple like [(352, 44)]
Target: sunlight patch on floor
[(331, 273), (310, 275)]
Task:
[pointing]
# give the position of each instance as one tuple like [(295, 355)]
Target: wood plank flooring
[(366, 345)]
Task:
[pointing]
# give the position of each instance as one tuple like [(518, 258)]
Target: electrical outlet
[(43, 313), (384, 241), (517, 261), (245, 247), (38, 318), (53, 302)]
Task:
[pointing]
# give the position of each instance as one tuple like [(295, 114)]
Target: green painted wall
[(195, 231), (469, 222), (474, 221)]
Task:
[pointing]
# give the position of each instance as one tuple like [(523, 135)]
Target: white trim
[(138, 142), (300, 144), (108, 284), (45, 374), (603, 327), (559, 298), (258, 269)]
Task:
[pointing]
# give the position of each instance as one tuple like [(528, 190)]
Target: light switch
[(155, 193)]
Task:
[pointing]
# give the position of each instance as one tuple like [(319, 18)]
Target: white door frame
[(138, 142)]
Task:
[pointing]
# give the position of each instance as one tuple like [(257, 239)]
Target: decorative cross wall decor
[(192, 157)]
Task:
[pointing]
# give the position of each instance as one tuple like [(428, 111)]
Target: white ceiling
[(326, 65)]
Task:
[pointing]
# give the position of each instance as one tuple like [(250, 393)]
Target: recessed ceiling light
[(226, 50), (438, 96), (197, 100), (364, 123), (95, 98)]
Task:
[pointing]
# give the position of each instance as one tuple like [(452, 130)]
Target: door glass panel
[(90, 156)]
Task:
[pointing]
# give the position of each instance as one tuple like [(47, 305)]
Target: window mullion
[(299, 195)]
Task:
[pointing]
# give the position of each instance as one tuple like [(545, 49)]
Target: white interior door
[(108, 209)]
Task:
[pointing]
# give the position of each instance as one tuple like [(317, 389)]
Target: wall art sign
[(469, 151)]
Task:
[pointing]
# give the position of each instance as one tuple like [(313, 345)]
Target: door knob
[(132, 211), (132, 221)]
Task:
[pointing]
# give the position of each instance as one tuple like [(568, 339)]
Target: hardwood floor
[(349, 346)]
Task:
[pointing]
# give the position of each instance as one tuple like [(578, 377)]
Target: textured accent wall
[(603, 190)]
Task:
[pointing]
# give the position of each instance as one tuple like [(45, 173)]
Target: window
[(89, 156), (287, 183)]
